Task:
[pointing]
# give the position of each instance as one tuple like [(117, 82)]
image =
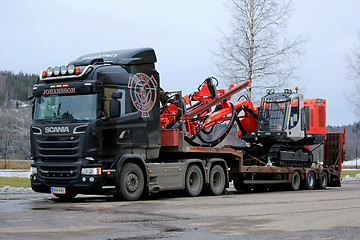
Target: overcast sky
[(37, 34)]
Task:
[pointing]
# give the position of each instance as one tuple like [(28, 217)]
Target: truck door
[(126, 132), (295, 128)]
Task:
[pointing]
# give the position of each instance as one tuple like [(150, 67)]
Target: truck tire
[(194, 181), (323, 181), (295, 181), (131, 184), (65, 197), (217, 180), (310, 180)]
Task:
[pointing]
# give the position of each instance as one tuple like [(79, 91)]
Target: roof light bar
[(54, 73)]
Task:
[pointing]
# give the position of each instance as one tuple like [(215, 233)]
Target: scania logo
[(57, 129)]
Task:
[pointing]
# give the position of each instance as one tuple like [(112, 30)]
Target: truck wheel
[(295, 181), (65, 197), (310, 181), (131, 185), (194, 181), (323, 181), (217, 180)]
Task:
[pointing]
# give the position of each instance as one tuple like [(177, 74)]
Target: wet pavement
[(319, 214)]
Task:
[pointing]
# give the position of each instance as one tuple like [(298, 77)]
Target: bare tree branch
[(353, 73), (256, 48)]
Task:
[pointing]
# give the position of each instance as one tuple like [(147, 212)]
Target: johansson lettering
[(59, 91)]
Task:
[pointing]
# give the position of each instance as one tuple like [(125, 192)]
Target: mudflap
[(334, 182)]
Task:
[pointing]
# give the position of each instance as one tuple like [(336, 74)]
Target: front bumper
[(75, 184)]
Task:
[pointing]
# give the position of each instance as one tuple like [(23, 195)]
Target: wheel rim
[(132, 182)]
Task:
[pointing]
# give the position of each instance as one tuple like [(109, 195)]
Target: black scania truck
[(96, 130), (88, 124)]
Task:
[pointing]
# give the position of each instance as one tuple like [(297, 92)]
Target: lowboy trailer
[(103, 125)]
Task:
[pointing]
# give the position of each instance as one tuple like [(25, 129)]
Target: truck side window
[(294, 113), (107, 94)]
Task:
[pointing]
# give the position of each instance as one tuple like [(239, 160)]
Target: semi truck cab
[(89, 117)]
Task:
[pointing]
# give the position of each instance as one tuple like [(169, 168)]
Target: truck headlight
[(91, 171), (33, 170)]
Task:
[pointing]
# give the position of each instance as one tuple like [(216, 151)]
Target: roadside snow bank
[(348, 178), (8, 189), (14, 174)]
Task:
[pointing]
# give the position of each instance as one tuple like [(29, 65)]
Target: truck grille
[(59, 172), (59, 146)]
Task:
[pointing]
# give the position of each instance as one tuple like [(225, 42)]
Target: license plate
[(58, 190)]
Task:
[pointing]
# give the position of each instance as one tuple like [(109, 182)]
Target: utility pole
[(356, 158), (5, 150)]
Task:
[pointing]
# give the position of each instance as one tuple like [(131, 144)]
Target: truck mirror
[(114, 108), (116, 95)]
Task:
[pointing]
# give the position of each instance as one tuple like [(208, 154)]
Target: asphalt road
[(333, 213)]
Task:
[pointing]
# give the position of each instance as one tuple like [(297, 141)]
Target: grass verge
[(15, 182)]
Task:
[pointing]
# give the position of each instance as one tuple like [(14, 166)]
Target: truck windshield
[(66, 108)]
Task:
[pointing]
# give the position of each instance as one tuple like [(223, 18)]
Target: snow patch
[(348, 178), (8, 189), (14, 174), (351, 163)]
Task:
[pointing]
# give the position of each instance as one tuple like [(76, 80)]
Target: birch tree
[(257, 47), (353, 72)]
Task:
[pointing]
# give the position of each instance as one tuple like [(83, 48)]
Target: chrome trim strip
[(37, 129), (75, 128)]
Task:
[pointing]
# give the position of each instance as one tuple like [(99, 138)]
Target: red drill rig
[(279, 130)]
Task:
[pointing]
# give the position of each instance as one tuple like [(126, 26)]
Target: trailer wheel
[(310, 180), (194, 180), (217, 180), (295, 181), (65, 197), (131, 185), (323, 181)]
